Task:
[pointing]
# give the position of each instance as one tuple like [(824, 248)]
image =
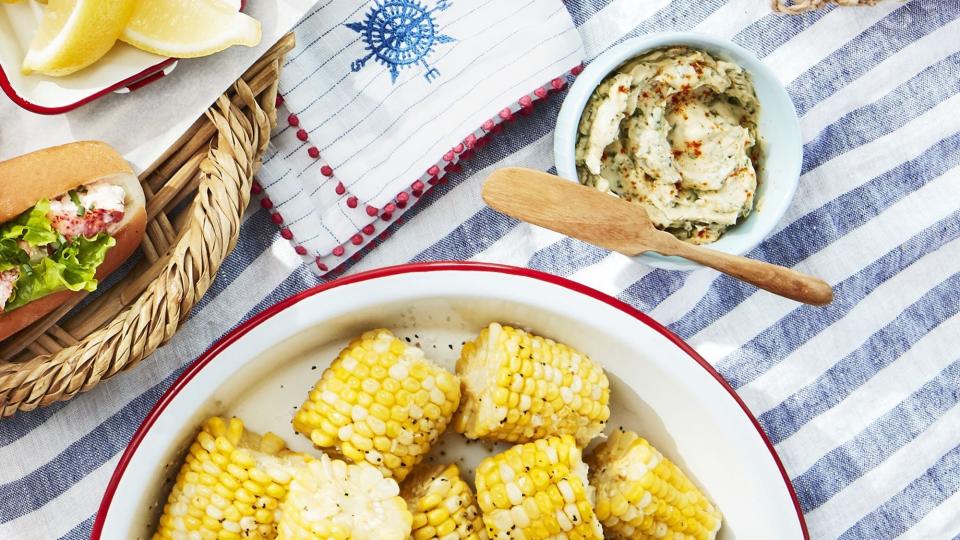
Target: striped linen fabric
[(860, 398)]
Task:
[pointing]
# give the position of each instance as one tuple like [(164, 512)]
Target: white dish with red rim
[(123, 69), (660, 387)]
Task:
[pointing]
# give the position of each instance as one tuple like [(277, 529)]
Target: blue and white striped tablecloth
[(860, 398)]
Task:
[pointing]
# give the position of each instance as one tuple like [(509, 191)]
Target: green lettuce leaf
[(32, 226), (72, 267), (11, 255)]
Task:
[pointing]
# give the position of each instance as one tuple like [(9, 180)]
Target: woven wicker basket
[(70, 351)]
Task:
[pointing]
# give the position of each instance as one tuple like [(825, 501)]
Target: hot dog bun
[(52, 172)]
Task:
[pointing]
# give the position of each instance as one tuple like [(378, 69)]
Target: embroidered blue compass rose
[(401, 34)]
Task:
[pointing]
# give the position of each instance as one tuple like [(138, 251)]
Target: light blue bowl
[(779, 132)]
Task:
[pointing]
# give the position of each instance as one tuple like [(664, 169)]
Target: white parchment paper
[(142, 124)]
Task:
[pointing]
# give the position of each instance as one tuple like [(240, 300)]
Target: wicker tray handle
[(236, 134)]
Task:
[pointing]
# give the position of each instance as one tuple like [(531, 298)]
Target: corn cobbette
[(235, 484), (519, 387), (381, 407), (382, 402), (230, 485), (334, 500), (443, 505), (537, 491), (641, 494)]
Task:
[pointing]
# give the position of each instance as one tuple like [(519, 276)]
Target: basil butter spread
[(675, 130)]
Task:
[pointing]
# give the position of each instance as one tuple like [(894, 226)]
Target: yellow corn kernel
[(223, 489), (331, 499), (519, 387), (536, 491), (654, 500), (380, 395), (443, 505)]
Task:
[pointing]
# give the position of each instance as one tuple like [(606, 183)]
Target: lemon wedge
[(189, 28), (74, 34)]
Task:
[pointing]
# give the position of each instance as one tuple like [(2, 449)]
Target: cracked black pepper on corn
[(382, 406), (381, 402), (235, 484), (519, 387), (443, 505)]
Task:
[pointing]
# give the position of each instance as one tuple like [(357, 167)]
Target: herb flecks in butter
[(674, 130)]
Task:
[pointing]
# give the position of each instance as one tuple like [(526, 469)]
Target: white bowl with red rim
[(778, 130), (124, 69), (660, 387)]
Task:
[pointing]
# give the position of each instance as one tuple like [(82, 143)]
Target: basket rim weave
[(216, 159)]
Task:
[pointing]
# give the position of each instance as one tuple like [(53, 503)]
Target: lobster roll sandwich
[(69, 215)]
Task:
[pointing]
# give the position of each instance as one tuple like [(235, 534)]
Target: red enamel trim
[(157, 75), (40, 109), (459, 266)]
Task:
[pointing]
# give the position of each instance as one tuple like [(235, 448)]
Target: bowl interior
[(778, 129), (656, 388)]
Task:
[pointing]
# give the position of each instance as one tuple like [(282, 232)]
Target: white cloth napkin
[(385, 96)]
